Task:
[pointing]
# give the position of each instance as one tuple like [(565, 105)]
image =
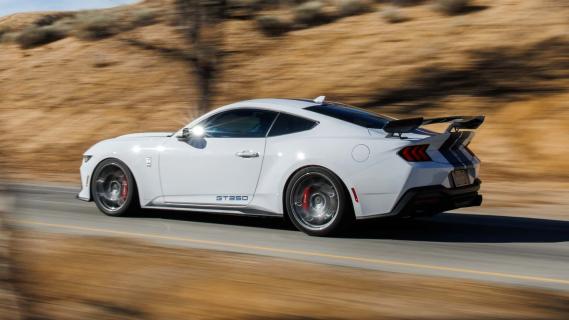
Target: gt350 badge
[(232, 198)]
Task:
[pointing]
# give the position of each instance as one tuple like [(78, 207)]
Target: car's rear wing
[(456, 123)]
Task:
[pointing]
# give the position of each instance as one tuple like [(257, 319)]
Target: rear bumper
[(425, 201)]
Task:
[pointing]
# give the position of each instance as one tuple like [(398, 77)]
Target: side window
[(286, 124), (239, 123)]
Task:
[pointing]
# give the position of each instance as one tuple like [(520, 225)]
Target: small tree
[(201, 24)]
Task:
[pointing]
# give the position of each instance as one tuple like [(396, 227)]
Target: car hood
[(135, 136)]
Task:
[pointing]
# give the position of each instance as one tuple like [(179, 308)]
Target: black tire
[(317, 203), (114, 190)]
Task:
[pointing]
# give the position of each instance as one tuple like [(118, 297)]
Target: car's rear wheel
[(316, 201), (113, 189)]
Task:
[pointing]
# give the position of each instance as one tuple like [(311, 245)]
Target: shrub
[(406, 3), (245, 9), (250, 5), (3, 31), (50, 19), (353, 7), (96, 25), (310, 13), (101, 61), (66, 23), (144, 17), (35, 36), (273, 25), (451, 6), (393, 15), (8, 36)]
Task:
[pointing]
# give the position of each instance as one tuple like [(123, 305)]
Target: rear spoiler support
[(398, 127)]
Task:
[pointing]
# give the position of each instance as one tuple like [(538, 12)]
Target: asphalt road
[(512, 250)]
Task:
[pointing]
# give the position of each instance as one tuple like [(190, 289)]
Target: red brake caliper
[(124, 189), (306, 197)]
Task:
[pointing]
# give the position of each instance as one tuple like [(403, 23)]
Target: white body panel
[(197, 175), (171, 174)]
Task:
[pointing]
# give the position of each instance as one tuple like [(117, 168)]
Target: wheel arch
[(125, 164), (289, 178)]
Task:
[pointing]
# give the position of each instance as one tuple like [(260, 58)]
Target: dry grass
[(503, 61), (107, 278)]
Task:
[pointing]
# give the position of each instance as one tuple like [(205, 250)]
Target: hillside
[(507, 59)]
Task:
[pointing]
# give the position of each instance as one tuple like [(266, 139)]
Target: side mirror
[(185, 135)]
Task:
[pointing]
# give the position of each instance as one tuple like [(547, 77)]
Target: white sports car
[(315, 162)]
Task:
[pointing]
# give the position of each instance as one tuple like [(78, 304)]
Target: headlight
[(86, 158)]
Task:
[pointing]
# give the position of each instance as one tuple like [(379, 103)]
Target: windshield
[(350, 114)]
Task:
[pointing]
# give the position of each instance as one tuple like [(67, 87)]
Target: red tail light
[(415, 153)]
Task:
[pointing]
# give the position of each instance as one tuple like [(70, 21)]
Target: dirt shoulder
[(94, 278)]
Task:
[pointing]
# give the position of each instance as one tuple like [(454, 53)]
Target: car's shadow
[(445, 227), (219, 218), (462, 227)]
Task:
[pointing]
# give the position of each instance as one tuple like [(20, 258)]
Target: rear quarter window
[(287, 124), (350, 114)]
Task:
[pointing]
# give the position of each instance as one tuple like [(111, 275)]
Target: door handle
[(247, 154)]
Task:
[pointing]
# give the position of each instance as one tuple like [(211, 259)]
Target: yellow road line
[(298, 252)]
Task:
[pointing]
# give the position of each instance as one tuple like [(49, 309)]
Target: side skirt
[(82, 199), (237, 211)]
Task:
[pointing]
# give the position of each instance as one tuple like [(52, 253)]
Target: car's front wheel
[(317, 202), (113, 189)]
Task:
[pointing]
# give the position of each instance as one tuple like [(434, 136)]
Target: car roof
[(290, 105)]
